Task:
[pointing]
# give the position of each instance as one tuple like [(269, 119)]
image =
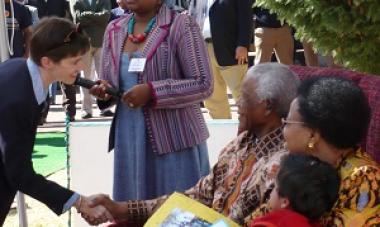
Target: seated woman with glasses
[(328, 119)]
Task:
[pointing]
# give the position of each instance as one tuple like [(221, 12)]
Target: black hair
[(310, 185), (335, 106), (57, 38)]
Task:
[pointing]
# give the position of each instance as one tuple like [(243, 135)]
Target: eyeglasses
[(68, 38), (285, 121)]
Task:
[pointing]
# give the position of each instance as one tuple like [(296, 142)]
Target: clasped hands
[(93, 214), (137, 96), (98, 209)]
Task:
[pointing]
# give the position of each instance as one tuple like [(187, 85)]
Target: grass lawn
[(49, 153)]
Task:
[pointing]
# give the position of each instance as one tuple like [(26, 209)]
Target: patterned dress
[(237, 184), (359, 194)]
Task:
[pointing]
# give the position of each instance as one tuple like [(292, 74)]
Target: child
[(305, 189)]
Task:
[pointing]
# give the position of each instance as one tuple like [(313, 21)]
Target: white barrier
[(91, 166)]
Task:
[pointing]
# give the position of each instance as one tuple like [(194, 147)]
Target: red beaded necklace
[(139, 38)]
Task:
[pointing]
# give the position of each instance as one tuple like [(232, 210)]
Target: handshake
[(98, 209)]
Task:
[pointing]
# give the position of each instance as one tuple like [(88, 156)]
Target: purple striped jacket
[(178, 71)]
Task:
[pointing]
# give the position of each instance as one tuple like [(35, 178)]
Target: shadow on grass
[(51, 141), (44, 141), (49, 153), (37, 156)]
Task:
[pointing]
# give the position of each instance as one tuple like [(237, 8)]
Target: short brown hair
[(57, 38)]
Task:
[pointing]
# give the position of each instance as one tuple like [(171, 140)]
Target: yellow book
[(180, 210)]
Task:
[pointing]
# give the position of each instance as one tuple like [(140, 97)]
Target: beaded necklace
[(139, 38)]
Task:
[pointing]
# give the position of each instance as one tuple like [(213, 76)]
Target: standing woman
[(158, 59), (328, 119)]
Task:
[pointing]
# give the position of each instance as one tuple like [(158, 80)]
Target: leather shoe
[(86, 116), (107, 113)]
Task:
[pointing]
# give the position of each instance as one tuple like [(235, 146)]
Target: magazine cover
[(180, 210)]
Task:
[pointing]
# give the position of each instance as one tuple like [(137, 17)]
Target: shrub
[(350, 29)]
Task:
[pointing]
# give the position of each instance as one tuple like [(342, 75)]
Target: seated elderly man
[(240, 180)]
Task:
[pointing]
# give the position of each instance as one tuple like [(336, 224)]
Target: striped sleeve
[(192, 57)]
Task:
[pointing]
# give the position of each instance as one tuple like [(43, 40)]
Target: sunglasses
[(68, 38)]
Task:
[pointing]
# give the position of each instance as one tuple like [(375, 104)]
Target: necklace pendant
[(140, 37)]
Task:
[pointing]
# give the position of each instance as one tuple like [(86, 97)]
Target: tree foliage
[(350, 29)]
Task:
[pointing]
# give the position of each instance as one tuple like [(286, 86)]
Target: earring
[(310, 145)]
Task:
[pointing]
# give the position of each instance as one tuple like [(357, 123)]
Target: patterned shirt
[(359, 194), (237, 184)]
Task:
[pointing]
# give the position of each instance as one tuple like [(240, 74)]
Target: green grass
[(49, 153)]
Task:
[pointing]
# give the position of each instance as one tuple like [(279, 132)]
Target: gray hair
[(274, 82)]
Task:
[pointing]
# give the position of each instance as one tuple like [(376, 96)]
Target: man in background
[(227, 28), (93, 17), (19, 24), (271, 35)]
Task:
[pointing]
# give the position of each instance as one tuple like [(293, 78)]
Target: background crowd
[(231, 30)]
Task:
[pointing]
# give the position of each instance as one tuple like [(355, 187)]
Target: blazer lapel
[(122, 30), (116, 36), (214, 2), (159, 33)]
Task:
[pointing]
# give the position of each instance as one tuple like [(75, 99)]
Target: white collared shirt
[(38, 87)]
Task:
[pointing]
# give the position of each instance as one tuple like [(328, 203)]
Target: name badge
[(137, 65)]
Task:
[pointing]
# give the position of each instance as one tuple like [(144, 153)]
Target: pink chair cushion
[(371, 87)]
